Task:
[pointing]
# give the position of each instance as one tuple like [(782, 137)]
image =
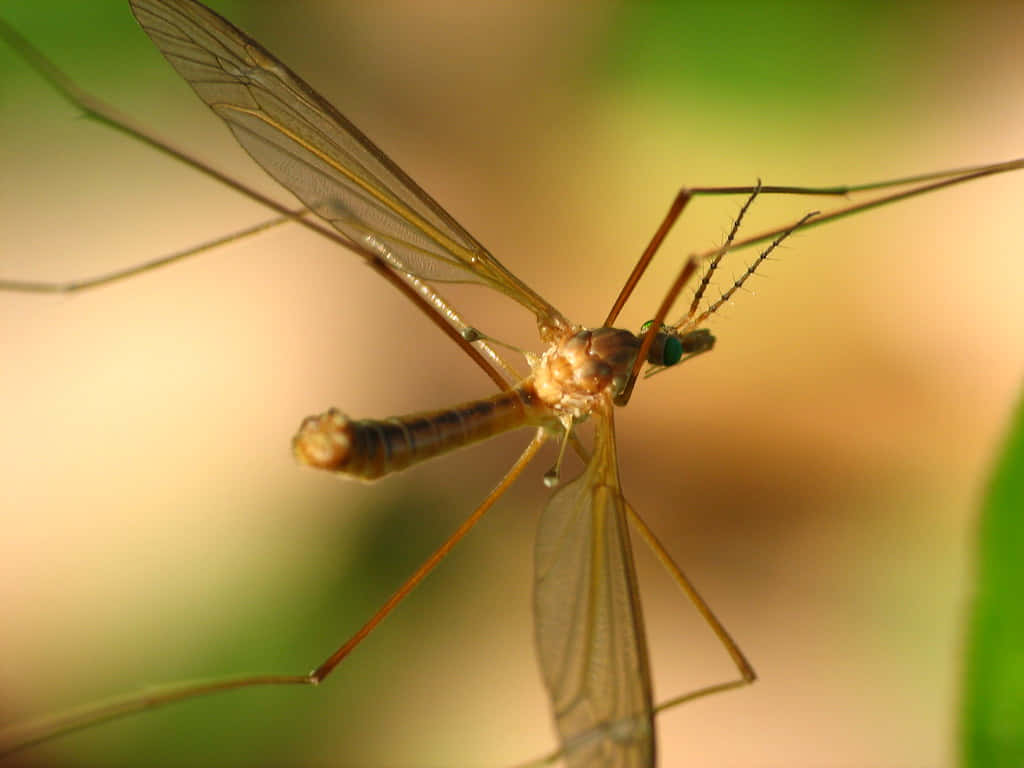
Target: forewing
[(317, 154), (590, 638)]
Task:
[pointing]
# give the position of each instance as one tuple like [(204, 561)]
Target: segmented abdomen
[(370, 448)]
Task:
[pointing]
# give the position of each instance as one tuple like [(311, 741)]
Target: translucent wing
[(318, 155), (590, 640)]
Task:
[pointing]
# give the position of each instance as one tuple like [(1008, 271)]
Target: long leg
[(673, 293), (682, 199), (325, 668), (747, 674), (947, 179), (776, 236), (939, 180), (425, 298), (74, 286), (19, 737)]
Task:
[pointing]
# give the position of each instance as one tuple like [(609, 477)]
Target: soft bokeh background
[(817, 475)]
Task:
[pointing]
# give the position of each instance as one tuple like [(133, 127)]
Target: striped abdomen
[(370, 448)]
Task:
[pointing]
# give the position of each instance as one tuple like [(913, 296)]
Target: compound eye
[(667, 350)]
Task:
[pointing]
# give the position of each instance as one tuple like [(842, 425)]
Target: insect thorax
[(588, 365)]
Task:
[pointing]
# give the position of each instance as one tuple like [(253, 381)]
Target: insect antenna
[(738, 283), (686, 194), (705, 281), (695, 340)]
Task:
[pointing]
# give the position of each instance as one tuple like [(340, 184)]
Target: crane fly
[(588, 624)]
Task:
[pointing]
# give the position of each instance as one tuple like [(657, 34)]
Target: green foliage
[(993, 716), (804, 53)]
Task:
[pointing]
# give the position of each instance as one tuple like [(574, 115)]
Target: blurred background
[(817, 476)]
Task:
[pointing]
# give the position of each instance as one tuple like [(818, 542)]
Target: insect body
[(589, 628), (567, 384)]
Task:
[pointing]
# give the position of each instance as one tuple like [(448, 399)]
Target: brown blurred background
[(817, 476)]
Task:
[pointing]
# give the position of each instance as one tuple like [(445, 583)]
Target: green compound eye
[(666, 350), (669, 346), (672, 351)]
